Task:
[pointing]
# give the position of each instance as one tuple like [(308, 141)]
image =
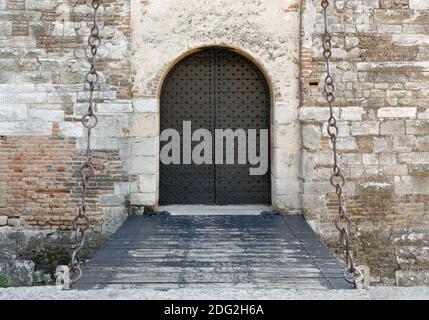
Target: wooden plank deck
[(256, 251)]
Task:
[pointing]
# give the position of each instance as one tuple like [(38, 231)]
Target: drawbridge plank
[(166, 252)]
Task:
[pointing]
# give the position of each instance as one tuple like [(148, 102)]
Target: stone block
[(5, 28), (284, 186), (284, 113), (311, 137), (145, 125), (413, 157), (422, 143), (421, 170), (365, 128), (111, 126), (22, 97), (351, 114), (100, 143), (13, 112), (148, 183), (286, 164), (3, 220), (412, 185), (343, 129), (419, 4), (391, 127), (287, 136), (291, 203), (46, 115), (25, 128), (374, 187), (423, 115), (346, 143), (144, 165), (109, 108), (145, 105), (61, 97), (319, 114), (397, 112), (395, 170), (143, 199), (100, 95), (22, 273), (417, 126), (403, 142), (148, 146), (112, 199), (321, 158), (122, 187), (381, 145), (412, 257), (413, 238), (307, 166), (369, 159), (40, 4), (71, 129), (13, 222), (351, 159), (317, 187), (410, 278), (79, 109)]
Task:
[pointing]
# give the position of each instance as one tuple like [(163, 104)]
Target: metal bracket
[(62, 275), (363, 279)]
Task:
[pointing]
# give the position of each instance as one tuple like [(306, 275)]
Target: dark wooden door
[(214, 89)]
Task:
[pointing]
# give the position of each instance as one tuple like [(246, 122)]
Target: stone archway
[(154, 53), (216, 90)]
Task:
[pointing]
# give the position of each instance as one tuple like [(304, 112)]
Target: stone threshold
[(214, 210)]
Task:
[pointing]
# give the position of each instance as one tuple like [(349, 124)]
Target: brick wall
[(42, 98), (380, 64)]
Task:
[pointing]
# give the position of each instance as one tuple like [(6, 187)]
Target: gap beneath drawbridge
[(265, 251)]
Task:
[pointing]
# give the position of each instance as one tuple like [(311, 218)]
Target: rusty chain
[(337, 179), (81, 222)]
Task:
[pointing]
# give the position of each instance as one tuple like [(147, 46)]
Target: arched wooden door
[(214, 89)]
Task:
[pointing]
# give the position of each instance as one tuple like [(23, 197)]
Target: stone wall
[(266, 32), (42, 98), (380, 62), (381, 51)]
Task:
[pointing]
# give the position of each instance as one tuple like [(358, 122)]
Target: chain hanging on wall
[(68, 276), (359, 276)]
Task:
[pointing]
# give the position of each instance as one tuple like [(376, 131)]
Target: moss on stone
[(4, 281)]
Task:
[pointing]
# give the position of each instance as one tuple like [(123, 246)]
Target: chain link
[(81, 222), (337, 179)]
